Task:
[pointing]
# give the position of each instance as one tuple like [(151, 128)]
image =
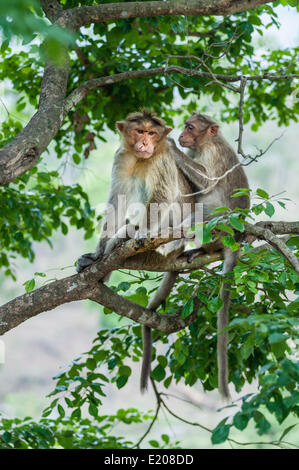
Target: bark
[(77, 17)]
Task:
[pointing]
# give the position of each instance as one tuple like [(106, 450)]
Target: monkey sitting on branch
[(214, 160), (145, 179)]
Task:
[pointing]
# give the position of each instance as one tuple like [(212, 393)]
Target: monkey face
[(143, 136), (197, 128), (144, 139), (189, 136)]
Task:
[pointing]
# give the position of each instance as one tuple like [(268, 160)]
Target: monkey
[(210, 158), (144, 171)]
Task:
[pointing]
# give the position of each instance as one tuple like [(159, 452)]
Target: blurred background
[(40, 348)]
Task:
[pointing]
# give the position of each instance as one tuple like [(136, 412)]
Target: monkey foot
[(192, 254), (85, 260)]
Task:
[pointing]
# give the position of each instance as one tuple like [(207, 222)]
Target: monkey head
[(198, 128), (143, 133)]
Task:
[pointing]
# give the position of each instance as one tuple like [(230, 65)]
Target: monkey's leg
[(160, 295), (122, 235), (230, 261)]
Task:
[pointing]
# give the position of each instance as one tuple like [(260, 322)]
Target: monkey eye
[(140, 131), (152, 133), (190, 127)]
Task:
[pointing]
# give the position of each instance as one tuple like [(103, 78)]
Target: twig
[(154, 418), (277, 243), (240, 116)]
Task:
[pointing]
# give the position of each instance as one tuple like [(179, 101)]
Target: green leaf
[(206, 236), (219, 210), (230, 243), (121, 381), (158, 373), (76, 158), (263, 194), (247, 347), (29, 285), (124, 286), (269, 210), (125, 370), (162, 361), (93, 410), (240, 421), (287, 430), (188, 308), (61, 411), (225, 228), (6, 437), (76, 414), (276, 338), (167, 381), (154, 443), (220, 434), (236, 223)]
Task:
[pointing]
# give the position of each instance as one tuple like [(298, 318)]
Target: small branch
[(154, 418), (240, 116), (277, 243), (79, 93), (275, 443)]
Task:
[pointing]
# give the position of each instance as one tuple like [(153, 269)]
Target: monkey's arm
[(112, 220), (193, 170)]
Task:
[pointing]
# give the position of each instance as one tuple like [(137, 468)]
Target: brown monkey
[(212, 158), (145, 172)]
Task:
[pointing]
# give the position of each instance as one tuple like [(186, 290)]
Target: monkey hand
[(140, 236), (86, 260)]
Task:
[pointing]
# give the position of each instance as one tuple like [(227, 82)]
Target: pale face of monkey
[(143, 137), (197, 129)]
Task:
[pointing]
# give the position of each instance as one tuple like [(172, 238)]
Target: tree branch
[(263, 232), (51, 8), (86, 285), (81, 92), (82, 16)]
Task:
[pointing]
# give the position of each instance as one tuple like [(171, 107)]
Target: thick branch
[(51, 8), (86, 285), (82, 16)]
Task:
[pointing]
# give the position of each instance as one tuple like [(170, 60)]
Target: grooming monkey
[(144, 171), (213, 157)]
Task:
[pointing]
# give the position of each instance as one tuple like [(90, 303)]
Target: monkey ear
[(212, 130), (120, 126), (168, 130)]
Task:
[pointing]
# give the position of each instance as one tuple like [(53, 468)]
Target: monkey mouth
[(143, 154)]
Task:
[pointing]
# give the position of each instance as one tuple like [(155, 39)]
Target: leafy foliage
[(33, 208), (67, 433)]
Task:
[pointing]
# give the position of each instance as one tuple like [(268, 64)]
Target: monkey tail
[(230, 261), (160, 295), (147, 358)]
